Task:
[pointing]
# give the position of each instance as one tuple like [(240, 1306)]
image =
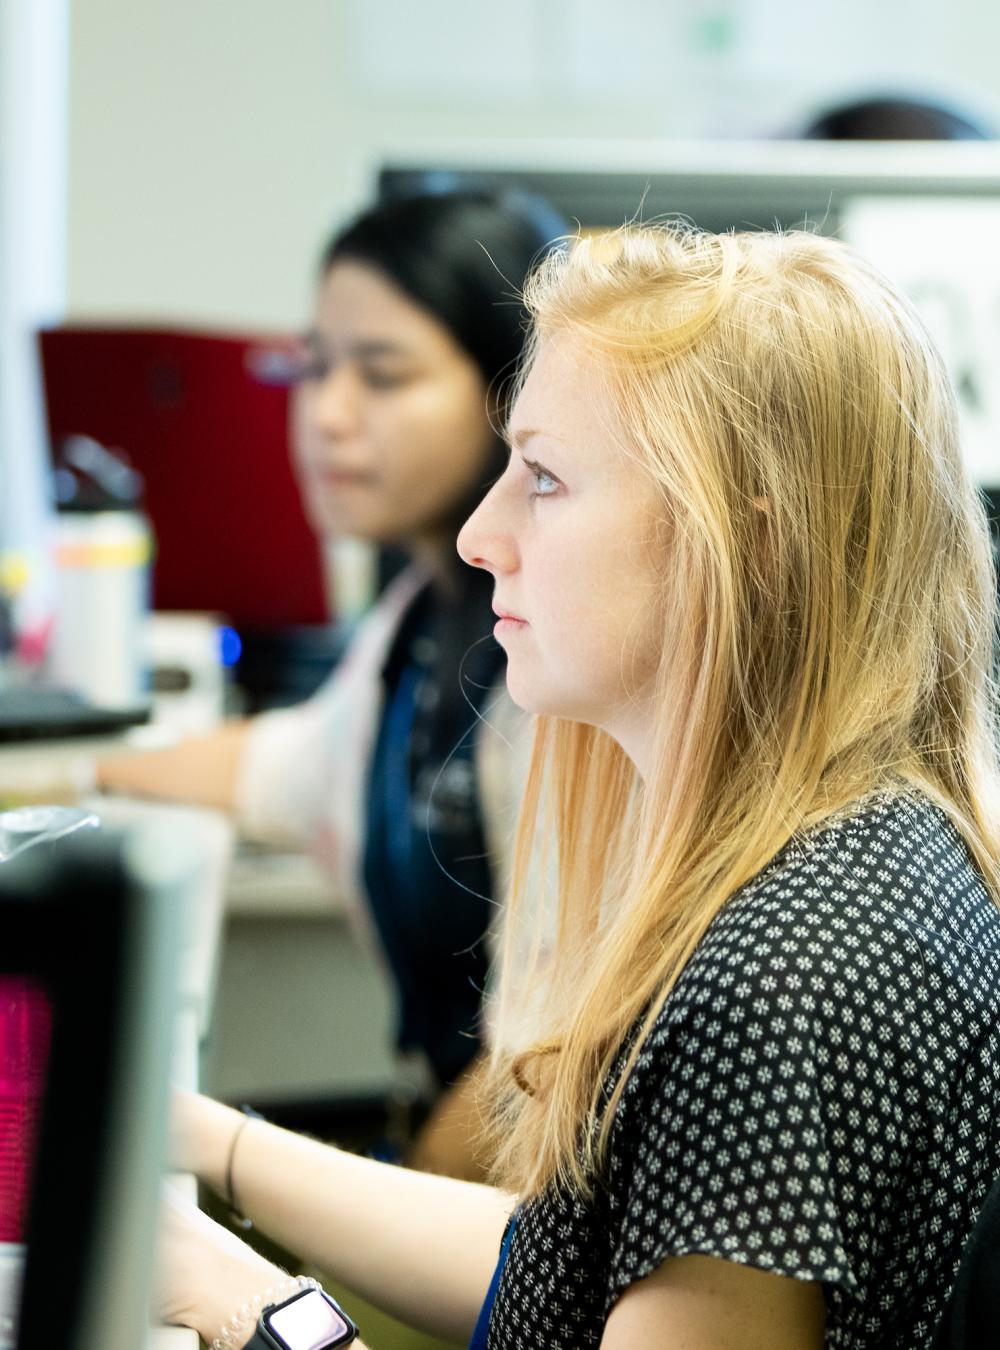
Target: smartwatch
[(309, 1320)]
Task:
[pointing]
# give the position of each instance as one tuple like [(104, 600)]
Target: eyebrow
[(366, 347), (516, 442)]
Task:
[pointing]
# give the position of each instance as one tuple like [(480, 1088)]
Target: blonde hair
[(830, 578)]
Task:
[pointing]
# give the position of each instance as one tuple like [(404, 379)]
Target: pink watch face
[(310, 1323)]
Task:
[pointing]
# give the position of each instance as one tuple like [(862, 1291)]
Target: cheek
[(432, 451), (299, 424), (601, 626)]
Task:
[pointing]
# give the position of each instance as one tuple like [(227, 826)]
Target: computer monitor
[(88, 956), (927, 214)]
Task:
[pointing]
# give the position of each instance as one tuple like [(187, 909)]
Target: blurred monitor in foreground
[(87, 979)]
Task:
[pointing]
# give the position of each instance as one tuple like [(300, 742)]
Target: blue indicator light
[(230, 646)]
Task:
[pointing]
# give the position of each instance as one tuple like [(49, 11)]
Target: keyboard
[(34, 712)]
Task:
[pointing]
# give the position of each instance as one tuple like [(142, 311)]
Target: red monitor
[(197, 415)]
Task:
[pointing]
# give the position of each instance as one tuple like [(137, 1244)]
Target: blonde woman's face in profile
[(568, 533)]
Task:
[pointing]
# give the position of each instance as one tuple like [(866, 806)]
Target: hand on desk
[(204, 1273)]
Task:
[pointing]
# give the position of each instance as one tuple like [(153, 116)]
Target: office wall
[(33, 222), (214, 142)]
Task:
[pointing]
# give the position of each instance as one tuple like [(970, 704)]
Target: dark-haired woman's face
[(389, 424)]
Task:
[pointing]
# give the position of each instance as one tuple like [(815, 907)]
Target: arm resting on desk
[(422, 1247), (202, 770), (448, 1142)]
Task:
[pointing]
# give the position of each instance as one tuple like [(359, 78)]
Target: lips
[(506, 614), (337, 477)]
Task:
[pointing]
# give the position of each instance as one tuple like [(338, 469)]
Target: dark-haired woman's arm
[(202, 770), (449, 1142)]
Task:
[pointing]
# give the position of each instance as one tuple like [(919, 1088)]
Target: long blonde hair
[(833, 600)]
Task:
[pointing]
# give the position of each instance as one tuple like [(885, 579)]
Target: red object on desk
[(196, 415)]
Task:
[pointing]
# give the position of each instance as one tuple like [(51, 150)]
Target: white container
[(189, 686), (102, 599)]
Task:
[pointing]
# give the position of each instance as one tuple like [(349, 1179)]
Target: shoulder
[(891, 871), (371, 640), (818, 1047), (292, 745), (868, 917)]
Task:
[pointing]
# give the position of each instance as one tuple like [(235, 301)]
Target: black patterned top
[(819, 1097)]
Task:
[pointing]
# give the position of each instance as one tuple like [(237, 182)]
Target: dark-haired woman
[(401, 772)]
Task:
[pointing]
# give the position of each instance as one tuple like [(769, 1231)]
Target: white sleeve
[(303, 773)]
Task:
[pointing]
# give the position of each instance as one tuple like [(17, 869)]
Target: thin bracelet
[(234, 1332), (237, 1215)]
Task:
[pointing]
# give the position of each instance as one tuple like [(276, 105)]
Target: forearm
[(202, 770), (422, 1247), (449, 1141)]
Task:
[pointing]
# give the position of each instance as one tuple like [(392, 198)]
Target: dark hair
[(896, 119), (462, 256)]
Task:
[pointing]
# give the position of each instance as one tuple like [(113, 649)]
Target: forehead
[(355, 300), (563, 398)]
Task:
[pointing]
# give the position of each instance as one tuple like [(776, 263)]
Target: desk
[(58, 770)]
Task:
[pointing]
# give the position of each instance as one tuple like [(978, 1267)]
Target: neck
[(634, 731)]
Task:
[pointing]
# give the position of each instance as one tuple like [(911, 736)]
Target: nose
[(335, 404), (485, 540)]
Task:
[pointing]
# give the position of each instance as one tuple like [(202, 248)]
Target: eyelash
[(377, 379)]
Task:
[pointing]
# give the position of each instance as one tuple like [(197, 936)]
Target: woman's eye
[(545, 484), (305, 365), (383, 379)]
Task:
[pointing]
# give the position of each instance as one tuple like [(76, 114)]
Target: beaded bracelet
[(233, 1334)]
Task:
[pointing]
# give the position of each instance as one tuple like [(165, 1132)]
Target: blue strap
[(399, 725), (478, 1341)]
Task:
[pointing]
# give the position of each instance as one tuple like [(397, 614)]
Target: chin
[(538, 701), (331, 522), (520, 693)]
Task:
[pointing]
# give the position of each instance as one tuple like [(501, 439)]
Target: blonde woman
[(750, 1094)]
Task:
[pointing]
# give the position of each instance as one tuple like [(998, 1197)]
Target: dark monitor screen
[(87, 978)]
